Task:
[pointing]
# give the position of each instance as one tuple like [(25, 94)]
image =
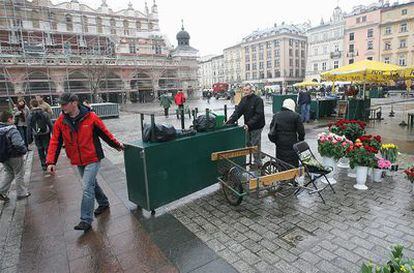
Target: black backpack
[(39, 124), (4, 147)]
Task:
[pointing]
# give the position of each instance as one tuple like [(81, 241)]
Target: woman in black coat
[(286, 129)]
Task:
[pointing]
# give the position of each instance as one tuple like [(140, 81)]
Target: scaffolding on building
[(48, 60)]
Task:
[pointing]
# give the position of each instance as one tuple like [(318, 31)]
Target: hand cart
[(239, 179)]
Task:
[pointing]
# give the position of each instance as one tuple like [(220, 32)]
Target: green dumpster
[(323, 107), (278, 101), (358, 109), (159, 173)]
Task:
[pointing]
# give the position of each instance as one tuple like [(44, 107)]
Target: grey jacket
[(17, 116), (17, 147)]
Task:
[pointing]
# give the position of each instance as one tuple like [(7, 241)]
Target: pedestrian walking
[(39, 129), (286, 129), (208, 97), (44, 105), (21, 113), (165, 102), (251, 107), (179, 100), (12, 151), (304, 102), (79, 130)]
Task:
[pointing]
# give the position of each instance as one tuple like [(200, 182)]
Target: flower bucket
[(370, 173), (329, 162), (377, 175), (343, 163), (361, 177), (351, 173)]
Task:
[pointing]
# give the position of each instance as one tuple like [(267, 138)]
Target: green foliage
[(397, 264)]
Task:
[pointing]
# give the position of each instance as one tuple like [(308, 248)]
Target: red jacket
[(179, 98), (81, 138)]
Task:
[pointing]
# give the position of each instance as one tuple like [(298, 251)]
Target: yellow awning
[(363, 71), (306, 83), (407, 73)]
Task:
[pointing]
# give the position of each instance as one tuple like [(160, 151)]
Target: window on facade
[(69, 22), (370, 58), (138, 25), (370, 45), (324, 66), (247, 67), (387, 60), (370, 33), (276, 43), (269, 64), (290, 62), (253, 47), (261, 65), (364, 18), (291, 73), (247, 58), (269, 74), (254, 75), (336, 48), (404, 12), (277, 62), (247, 76), (315, 67), (268, 44), (261, 75), (388, 30), (35, 19), (297, 63), (336, 64), (290, 52), (277, 52), (126, 27), (261, 47), (99, 24), (113, 26), (254, 66), (85, 23), (277, 74), (52, 21), (254, 57), (290, 42), (403, 43), (387, 45), (261, 56), (401, 61), (296, 52), (351, 36), (351, 61), (403, 27), (303, 63), (269, 55), (150, 26), (132, 48), (358, 20), (302, 53), (351, 48)]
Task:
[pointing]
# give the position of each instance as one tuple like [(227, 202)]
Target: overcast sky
[(216, 24)]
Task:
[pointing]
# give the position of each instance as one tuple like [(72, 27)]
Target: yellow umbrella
[(306, 84), (363, 71), (407, 73)]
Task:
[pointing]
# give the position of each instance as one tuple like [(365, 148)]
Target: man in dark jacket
[(304, 102), (80, 129), (39, 128), (252, 109), (287, 129), (12, 149)]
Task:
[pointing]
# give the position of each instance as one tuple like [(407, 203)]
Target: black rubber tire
[(233, 179), (269, 167)]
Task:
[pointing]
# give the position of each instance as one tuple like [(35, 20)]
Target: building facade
[(48, 48), (232, 65), (205, 72), (362, 34), (397, 34), (217, 66), (275, 56), (325, 45)]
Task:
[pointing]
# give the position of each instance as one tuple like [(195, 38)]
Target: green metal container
[(323, 108), (159, 173), (278, 101), (358, 109)]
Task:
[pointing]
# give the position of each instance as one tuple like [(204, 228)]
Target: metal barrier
[(103, 110)]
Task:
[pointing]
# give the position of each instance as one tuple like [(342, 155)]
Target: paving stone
[(326, 266), (310, 257), (249, 257), (348, 255)]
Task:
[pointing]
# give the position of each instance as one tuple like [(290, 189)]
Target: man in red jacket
[(80, 129)]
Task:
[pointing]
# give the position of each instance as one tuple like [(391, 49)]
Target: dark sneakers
[(4, 198), (100, 210), (83, 226), (23, 196)]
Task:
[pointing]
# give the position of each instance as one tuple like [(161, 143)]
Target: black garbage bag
[(160, 133), (204, 123)]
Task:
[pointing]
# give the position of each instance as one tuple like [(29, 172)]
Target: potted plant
[(332, 147), (397, 264), (375, 143), (361, 158), (381, 165), (390, 152)]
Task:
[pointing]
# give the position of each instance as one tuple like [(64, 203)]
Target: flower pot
[(370, 173), (377, 175), (329, 162), (343, 163), (352, 172), (361, 177)]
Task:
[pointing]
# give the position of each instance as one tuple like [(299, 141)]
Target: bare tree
[(96, 72)]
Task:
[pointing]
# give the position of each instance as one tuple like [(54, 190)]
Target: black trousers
[(42, 143)]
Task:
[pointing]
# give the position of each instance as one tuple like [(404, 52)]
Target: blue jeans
[(305, 112), (91, 190)]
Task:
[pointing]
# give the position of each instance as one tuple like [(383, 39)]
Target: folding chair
[(313, 168)]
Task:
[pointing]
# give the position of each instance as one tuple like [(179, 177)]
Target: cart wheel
[(233, 180), (269, 167), (153, 212)]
